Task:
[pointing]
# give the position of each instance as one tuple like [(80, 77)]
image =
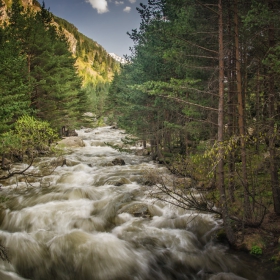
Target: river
[(91, 220)]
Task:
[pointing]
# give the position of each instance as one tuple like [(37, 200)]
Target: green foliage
[(29, 134), (53, 83), (256, 250), (14, 88)]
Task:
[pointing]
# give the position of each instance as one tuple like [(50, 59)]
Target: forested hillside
[(95, 66), (202, 88)]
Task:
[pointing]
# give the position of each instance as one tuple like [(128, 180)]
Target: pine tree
[(53, 78), (14, 90)]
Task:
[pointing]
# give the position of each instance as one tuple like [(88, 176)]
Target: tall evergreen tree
[(14, 90), (55, 85)]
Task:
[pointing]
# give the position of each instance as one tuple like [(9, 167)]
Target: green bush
[(29, 134), (256, 250)]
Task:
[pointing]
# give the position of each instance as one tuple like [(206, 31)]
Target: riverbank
[(261, 246)]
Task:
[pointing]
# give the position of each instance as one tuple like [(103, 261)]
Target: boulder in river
[(73, 141), (5, 164), (142, 152), (136, 209), (118, 161), (118, 182)]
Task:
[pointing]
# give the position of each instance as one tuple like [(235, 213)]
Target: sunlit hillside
[(94, 64)]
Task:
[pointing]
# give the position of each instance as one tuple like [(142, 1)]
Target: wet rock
[(5, 164), (108, 164), (72, 142), (114, 126), (71, 162), (118, 161), (118, 182), (72, 133), (136, 209), (142, 152), (66, 132), (221, 235), (61, 161), (88, 130)]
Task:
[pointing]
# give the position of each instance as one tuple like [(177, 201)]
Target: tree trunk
[(241, 122), (272, 124), (231, 104), (221, 185)]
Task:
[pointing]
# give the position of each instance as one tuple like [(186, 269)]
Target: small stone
[(118, 161)]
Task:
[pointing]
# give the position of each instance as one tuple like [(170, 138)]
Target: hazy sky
[(104, 21)]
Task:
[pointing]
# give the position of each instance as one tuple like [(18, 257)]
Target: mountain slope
[(94, 64)]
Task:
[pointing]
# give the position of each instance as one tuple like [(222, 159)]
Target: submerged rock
[(118, 161), (118, 182), (137, 210)]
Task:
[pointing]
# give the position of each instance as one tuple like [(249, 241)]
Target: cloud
[(100, 5), (132, 1), (119, 2), (127, 9)]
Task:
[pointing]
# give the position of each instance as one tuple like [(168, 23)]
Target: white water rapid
[(89, 220)]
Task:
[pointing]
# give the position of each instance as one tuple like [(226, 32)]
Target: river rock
[(71, 162), (118, 182), (5, 164), (136, 209), (108, 164), (72, 141), (142, 152), (118, 161)]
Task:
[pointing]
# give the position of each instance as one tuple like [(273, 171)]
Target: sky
[(104, 21)]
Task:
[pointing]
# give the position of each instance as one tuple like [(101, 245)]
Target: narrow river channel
[(94, 220)]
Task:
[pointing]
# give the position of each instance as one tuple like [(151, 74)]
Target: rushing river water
[(86, 221)]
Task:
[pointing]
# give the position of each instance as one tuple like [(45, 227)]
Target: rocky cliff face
[(70, 38), (3, 13)]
